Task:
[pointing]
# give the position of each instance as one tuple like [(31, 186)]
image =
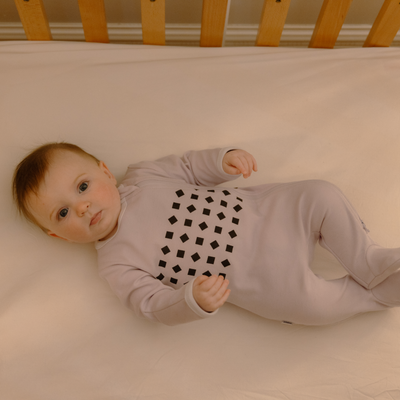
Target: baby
[(168, 238)]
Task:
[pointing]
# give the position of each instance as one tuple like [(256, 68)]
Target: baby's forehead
[(65, 155), (64, 163), (65, 160)]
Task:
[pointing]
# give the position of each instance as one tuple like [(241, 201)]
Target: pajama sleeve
[(151, 299), (202, 168)]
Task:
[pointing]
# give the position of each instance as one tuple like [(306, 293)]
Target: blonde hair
[(30, 173)]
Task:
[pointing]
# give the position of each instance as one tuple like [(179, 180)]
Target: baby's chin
[(110, 234)]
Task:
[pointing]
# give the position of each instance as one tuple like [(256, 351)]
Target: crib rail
[(327, 28)]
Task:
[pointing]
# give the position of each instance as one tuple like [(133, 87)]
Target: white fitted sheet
[(303, 113)]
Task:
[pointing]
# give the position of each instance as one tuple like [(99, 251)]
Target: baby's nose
[(82, 207)]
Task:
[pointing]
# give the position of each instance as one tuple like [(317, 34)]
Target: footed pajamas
[(176, 224)]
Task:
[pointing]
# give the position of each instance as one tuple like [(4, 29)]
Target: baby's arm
[(203, 167), (239, 162), (211, 292)]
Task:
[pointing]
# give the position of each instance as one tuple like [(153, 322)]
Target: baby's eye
[(83, 186), (63, 213)]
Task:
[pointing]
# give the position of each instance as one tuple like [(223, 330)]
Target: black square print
[(177, 268), (195, 257), (225, 263), (188, 222), (221, 215), (191, 208), (214, 244), (192, 272), (203, 226), (237, 208), (199, 241), (169, 235), (232, 234), (172, 220), (165, 250), (184, 238), (180, 253)]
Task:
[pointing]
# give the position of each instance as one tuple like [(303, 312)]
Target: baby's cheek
[(106, 193)]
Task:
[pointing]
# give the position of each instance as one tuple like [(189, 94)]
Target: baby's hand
[(211, 292), (239, 162)]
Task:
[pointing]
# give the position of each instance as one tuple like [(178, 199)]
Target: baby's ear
[(56, 236), (105, 169)]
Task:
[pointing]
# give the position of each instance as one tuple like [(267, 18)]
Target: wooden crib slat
[(329, 23), (34, 19), (213, 23), (153, 21), (272, 22), (386, 25), (93, 16)]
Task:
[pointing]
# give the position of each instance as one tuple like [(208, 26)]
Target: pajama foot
[(382, 263), (388, 292)]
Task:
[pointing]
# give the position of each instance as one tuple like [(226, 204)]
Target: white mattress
[(303, 113)]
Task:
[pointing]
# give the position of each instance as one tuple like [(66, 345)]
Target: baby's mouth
[(96, 218)]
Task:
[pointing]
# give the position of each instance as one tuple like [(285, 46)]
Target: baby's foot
[(388, 292), (382, 263)]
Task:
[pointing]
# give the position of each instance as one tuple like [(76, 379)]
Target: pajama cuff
[(191, 302)]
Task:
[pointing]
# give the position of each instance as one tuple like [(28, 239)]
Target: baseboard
[(189, 34)]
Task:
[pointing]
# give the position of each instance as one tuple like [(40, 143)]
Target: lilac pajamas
[(176, 225)]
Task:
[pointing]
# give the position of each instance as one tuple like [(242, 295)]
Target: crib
[(213, 22), (312, 112)]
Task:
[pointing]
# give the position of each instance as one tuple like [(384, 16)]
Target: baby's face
[(78, 200)]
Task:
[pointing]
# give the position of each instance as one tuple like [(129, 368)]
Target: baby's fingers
[(204, 282), (222, 295), (211, 293), (246, 167), (200, 280), (213, 284), (219, 287), (250, 165), (224, 298), (254, 166), (245, 163), (241, 165)]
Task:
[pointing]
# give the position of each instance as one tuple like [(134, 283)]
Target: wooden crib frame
[(327, 28)]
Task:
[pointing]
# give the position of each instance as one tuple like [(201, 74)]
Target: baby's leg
[(333, 301), (342, 232)]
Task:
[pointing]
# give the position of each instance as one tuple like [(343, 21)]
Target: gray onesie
[(176, 224)]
